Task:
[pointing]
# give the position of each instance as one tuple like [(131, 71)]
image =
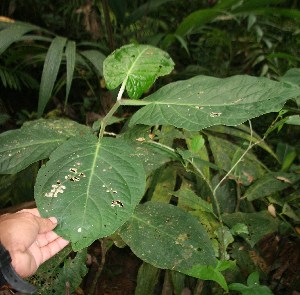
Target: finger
[(33, 211), (45, 224), (53, 248), (53, 219), (46, 238)]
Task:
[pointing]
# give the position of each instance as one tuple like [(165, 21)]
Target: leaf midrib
[(98, 145), (133, 64), (17, 147)]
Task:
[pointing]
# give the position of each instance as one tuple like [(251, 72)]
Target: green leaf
[(225, 153), (96, 58), (71, 58), (204, 272), (195, 20), (147, 279), (239, 228), (138, 66), (212, 273), (178, 282), (292, 76), (188, 199), (164, 181), (196, 143), (167, 237), (200, 156), (286, 154), (205, 101), (243, 132), (13, 33), (199, 18), (253, 288), (50, 71), (270, 184), (293, 120), (258, 224), (35, 141), (52, 278), (91, 187), (272, 11), (288, 211)]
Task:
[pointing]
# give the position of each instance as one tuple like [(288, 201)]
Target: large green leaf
[(204, 101), (138, 66), (50, 71), (35, 141), (91, 187), (168, 237)]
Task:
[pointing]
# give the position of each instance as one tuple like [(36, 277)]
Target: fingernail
[(53, 219)]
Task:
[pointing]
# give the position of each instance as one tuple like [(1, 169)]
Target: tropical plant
[(52, 52), (180, 184)]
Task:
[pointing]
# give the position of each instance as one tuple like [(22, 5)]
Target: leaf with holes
[(91, 187), (138, 66), (204, 101), (35, 141), (53, 275), (168, 237)]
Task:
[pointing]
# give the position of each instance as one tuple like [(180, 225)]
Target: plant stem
[(112, 110), (131, 102), (122, 89), (105, 120), (104, 249), (290, 109), (238, 196), (250, 146)]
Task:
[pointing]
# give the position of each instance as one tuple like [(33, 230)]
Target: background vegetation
[(208, 37)]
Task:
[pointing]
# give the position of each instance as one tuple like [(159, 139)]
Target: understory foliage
[(168, 127)]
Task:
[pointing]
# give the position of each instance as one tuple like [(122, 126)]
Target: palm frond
[(16, 79)]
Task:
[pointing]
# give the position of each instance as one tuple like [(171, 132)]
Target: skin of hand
[(29, 239)]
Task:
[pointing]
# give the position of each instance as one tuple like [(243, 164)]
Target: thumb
[(46, 224)]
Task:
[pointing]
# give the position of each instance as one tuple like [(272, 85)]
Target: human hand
[(29, 239)]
